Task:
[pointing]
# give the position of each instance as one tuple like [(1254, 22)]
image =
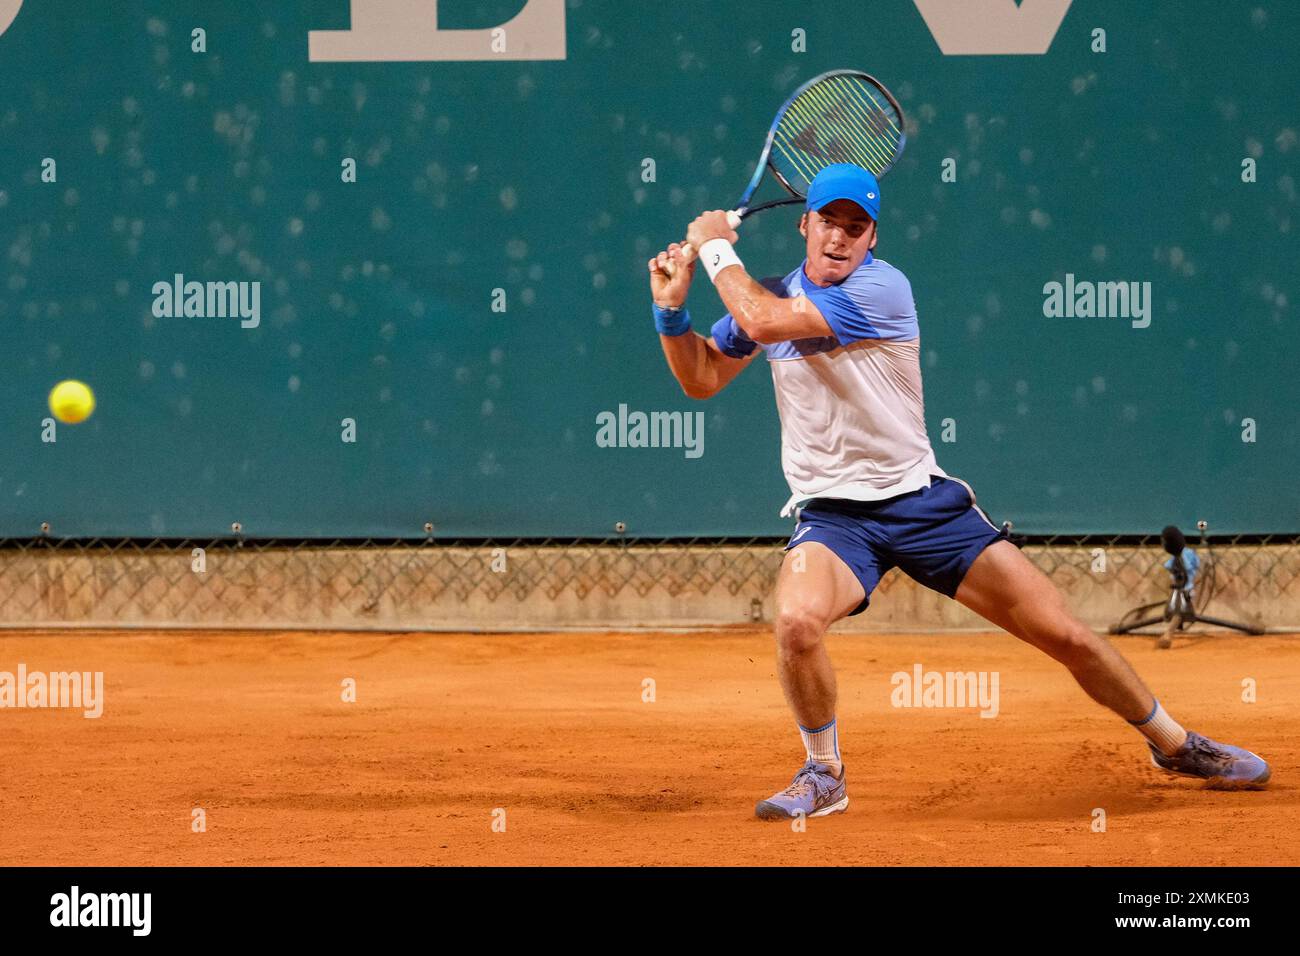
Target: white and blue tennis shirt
[(851, 407)]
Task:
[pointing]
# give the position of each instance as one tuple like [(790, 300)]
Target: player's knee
[(798, 630), (1072, 643)]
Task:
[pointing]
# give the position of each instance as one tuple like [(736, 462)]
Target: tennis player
[(841, 338)]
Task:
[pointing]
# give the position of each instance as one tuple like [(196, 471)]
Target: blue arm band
[(671, 321), (731, 338)]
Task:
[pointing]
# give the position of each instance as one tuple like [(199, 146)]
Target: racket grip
[(689, 251)]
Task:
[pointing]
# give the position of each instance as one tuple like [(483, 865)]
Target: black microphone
[(1172, 540)]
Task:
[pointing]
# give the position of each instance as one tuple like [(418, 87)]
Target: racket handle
[(689, 251)]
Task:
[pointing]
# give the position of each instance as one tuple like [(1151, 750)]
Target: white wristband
[(717, 254)]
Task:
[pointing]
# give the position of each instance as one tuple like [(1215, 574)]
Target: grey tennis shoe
[(1223, 766), (814, 792)]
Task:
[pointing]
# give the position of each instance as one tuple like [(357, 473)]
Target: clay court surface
[(552, 728)]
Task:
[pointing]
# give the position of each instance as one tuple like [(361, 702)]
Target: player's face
[(839, 235)]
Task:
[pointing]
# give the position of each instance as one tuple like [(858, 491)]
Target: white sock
[(823, 744), (1162, 730)]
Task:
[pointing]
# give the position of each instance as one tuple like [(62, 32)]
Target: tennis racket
[(843, 116)]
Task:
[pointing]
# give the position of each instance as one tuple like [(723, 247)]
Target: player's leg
[(939, 537), (1004, 587), (813, 591), (828, 575)]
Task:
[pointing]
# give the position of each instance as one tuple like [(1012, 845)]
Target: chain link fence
[(442, 585)]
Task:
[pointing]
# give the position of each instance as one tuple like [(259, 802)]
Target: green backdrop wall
[(527, 176)]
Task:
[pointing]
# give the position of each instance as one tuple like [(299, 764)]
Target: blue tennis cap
[(845, 181)]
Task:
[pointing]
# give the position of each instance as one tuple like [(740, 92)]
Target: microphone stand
[(1180, 610)]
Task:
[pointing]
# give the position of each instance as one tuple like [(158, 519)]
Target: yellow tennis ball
[(72, 401)]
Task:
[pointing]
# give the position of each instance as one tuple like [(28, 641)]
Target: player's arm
[(761, 315), (699, 365), (765, 317), (696, 361)]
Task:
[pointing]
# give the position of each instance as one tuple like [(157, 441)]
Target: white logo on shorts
[(801, 532)]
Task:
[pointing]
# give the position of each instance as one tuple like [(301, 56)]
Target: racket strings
[(839, 120), (838, 129), (852, 133)]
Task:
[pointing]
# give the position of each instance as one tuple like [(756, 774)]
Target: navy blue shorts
[(934, 535)]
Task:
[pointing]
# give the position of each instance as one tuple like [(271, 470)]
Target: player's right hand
[(669, 291)]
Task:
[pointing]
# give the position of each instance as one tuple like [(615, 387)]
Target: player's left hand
[(670, 277), (710, 225)]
